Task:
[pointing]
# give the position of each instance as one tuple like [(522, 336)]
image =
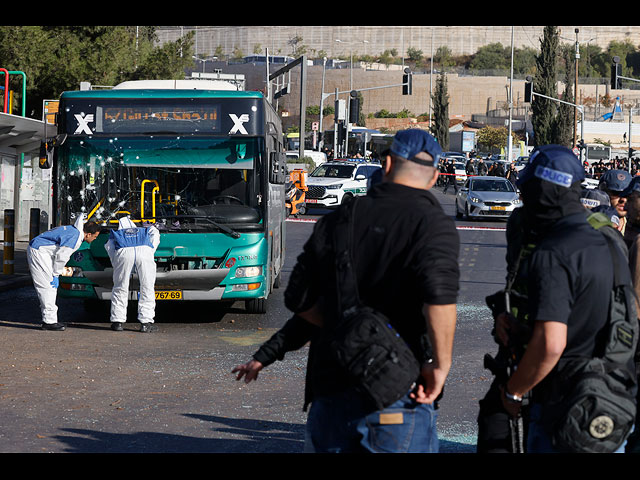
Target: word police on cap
[(554, 176)]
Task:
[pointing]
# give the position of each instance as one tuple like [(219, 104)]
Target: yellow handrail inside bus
[(153, 199), (95, 208), (123, 211)]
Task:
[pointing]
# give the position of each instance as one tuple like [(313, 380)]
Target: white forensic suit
[(47, 255), (133, 247)]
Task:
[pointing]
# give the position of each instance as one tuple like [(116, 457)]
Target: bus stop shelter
[(23, 185)]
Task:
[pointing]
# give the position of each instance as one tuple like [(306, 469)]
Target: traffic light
[(407, 82), (342, 132), (616, 72), (354, 107), (528, 90)]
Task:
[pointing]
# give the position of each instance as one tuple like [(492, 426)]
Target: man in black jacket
[(406, 267), (451, 177)]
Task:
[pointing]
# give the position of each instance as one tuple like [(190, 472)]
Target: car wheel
[(256, 305), (458, 212), (346, 198)]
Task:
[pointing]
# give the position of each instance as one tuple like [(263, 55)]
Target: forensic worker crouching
[(383, 263), (569, 279), (132, 248), (47, 256)]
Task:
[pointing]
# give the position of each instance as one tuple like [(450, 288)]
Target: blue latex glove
[(55, 282)]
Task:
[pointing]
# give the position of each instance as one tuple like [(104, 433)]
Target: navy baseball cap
[(634, 186), (594, 197), (553, 163), (615, 180), (410, 144)]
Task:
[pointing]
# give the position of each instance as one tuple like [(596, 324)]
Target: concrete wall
[(373, 40)]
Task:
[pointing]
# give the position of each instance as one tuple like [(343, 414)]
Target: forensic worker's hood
[(125, 222), (79, 223)]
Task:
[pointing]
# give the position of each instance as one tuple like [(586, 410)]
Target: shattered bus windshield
[(181, 184)]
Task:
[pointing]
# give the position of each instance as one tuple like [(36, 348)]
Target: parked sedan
[(487, 197)]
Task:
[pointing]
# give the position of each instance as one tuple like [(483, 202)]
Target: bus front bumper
[(202, 284)]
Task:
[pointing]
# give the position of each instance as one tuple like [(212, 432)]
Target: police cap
[(411, 145), (615, 180), (553, 163), (634, 186)]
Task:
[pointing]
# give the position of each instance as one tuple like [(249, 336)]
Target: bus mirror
[(46, 150), (46, 156)]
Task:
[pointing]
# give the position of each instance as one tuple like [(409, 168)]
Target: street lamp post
[(324, 66)]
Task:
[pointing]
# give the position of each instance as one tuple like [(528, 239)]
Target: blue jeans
[(539, 440), (340, 424)]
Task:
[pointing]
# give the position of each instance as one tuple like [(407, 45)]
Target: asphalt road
[(89, 389)]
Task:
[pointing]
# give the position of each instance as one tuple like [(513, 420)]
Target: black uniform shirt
[(570, 281)]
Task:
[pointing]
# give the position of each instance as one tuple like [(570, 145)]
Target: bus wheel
[(256, 305)]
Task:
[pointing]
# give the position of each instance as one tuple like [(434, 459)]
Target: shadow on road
[(239, 436)]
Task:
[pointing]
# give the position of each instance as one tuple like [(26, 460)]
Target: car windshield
[(490, 185), (333, 171)]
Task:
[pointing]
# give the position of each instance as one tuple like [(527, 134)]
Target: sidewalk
[(20, 277)]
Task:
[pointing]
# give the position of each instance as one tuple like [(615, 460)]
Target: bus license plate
[(498, 208), (169, 295)]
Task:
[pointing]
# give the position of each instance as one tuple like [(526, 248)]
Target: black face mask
[(545, 203)]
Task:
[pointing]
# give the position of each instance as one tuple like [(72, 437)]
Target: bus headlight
[(72, 272), (243, 272)]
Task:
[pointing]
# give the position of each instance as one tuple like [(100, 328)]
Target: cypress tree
[(440, 127), (543, 110), (563, 123)]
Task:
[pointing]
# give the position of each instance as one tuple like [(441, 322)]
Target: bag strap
[(346, 284)]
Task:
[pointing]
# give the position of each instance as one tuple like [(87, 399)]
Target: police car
[(331, 183)]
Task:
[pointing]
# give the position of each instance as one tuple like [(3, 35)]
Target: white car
[(487, 197), (331, 183), (461, 172)]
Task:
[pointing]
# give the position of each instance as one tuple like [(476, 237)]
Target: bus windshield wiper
[(220, 226)]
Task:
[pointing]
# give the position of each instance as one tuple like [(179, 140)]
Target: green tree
[(440, 127), (443, 57), (562, 132), (414, 54), (58, 58), (493, 138), (491, 56), (524, 60), (543, 110)]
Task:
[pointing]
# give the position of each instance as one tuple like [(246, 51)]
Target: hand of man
[(430, 388), (55, 283), (512, 408), (503, 325), (249, 371)]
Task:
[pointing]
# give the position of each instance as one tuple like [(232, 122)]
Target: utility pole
[(509, 139), (575, 97)]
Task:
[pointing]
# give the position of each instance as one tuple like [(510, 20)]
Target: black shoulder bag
[(375, 358)]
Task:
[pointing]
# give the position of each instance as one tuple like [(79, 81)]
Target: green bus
[(206, 167)]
